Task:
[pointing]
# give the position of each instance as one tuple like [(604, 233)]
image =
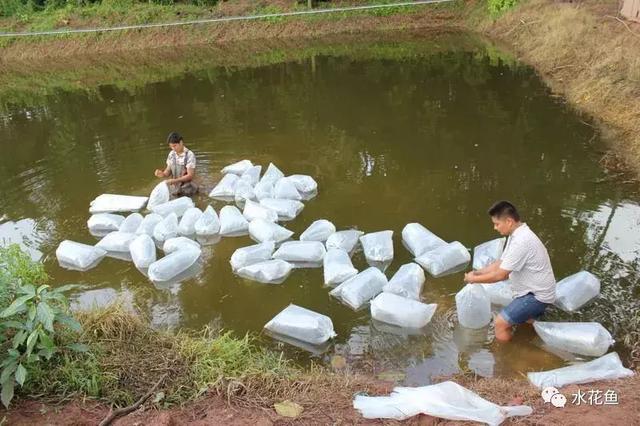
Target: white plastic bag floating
[(149, 224), (302, 324), (344, 240), (285, 189), (407, 282), (178, 206), (378, 246), (244, 191), (499, 293), (113, 203), (78, 256), (167, 228), (419, 240), (577, 290), (232, 223), (143, 251), (487, 253), (208, 224), (304, 184), (319, 230), (102, 222), (357, 291), (179, 243), (252, 175), (254, 211), (263, 190), (173, 264), (447, 400), (337, 267), (583, 338), (608, 367), (226, 188), (116, 241), (131, 223), (272, 175), (256, 253), (187, 225), (261, 231), (286, 209), (238, 168), (401, 311), (473, 306), (301, 252), (444, 260), (159, 195), (268, 272)]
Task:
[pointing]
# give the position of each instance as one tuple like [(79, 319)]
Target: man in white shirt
[(525, 262), (181, 168)]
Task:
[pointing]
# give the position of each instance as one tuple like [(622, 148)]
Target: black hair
[(504, 208), (174, 137)]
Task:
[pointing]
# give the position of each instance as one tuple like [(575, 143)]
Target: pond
[(393, 134)]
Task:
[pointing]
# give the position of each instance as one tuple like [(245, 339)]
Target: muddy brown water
[(392, 137)]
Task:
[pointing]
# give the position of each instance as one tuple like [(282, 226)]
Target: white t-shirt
[(527, 259)]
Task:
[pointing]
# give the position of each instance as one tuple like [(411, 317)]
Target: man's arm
[(490, 274), (163, 173), (186, 178)]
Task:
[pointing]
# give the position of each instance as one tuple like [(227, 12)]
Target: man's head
[(505, 217), (175, 142)]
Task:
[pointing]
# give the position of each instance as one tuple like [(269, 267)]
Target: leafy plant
[(497, 7)]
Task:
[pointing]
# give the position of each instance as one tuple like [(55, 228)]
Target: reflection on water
[(392, 137)]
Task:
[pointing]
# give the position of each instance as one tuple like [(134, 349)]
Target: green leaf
[(69, 322), (13, 324), (16, 306), (32, 313), (42, 288), (31, 341), (46, 352), (7, 392), (64, 288), (8, 371), (14, 353), (19, 338), (21, 374), (45, 315), (28, 290), (78, 347)]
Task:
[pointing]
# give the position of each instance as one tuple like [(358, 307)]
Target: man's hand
[(159, 173), (171, 181), (469, 277)]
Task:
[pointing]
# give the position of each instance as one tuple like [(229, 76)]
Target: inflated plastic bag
[(419, 240), (179, 243), (187, 225), (271, 175), (178, 206), (473, 306), (401, 311), (608, 367), (148, 224), (143, 251), (173, 264), (254, 211), (487, 253), (131, 223), (261, 231), (302, 324), (444, 260), (583, 338), (286, 209), (252, 175), (301, 252), (407, 282), (226, 188), (238, 168), (116, 241), (378, 246), (304, 184), (267, 272), (167, 228), (577, 290), (263, 190), (357, 291), (499, 293), (319, 230), (244, 191), (344, 240), (104, 222), (285, 189), (447, 400), (79, 256), (256, 253), (159, 195), (208, 224), (113, 203), (337, 267), (232, 223)]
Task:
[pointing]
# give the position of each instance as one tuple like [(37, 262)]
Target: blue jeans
[(522, 309)]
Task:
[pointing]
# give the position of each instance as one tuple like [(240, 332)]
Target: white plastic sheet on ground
[(407, 281), (302, 324), (173, 264), (263, 190), (499, 293), (271, 175), (378, 246), (267, 272), (226, 188), (447, 400), (337, 267), (253, 210), (73, 255), (419, 240), (304, 184), (577, 290), (608, 367), (252, 175), (113, 203), (583, 338), (261, 231), (486, 253), (178, 206), (445, 259), (401, 311), (285, 189), (286, 209), (244, 191), (143, 251), (131, 223), (357, 291), (102, 222), (149, 224), (208, 224), (159, 195), (473, 306), (344, 240), (179, 243), (167, 228), (116, 241), (232, 223), (238, 168), (256, 253), (187, 225), (319, 230), (301, 252)]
